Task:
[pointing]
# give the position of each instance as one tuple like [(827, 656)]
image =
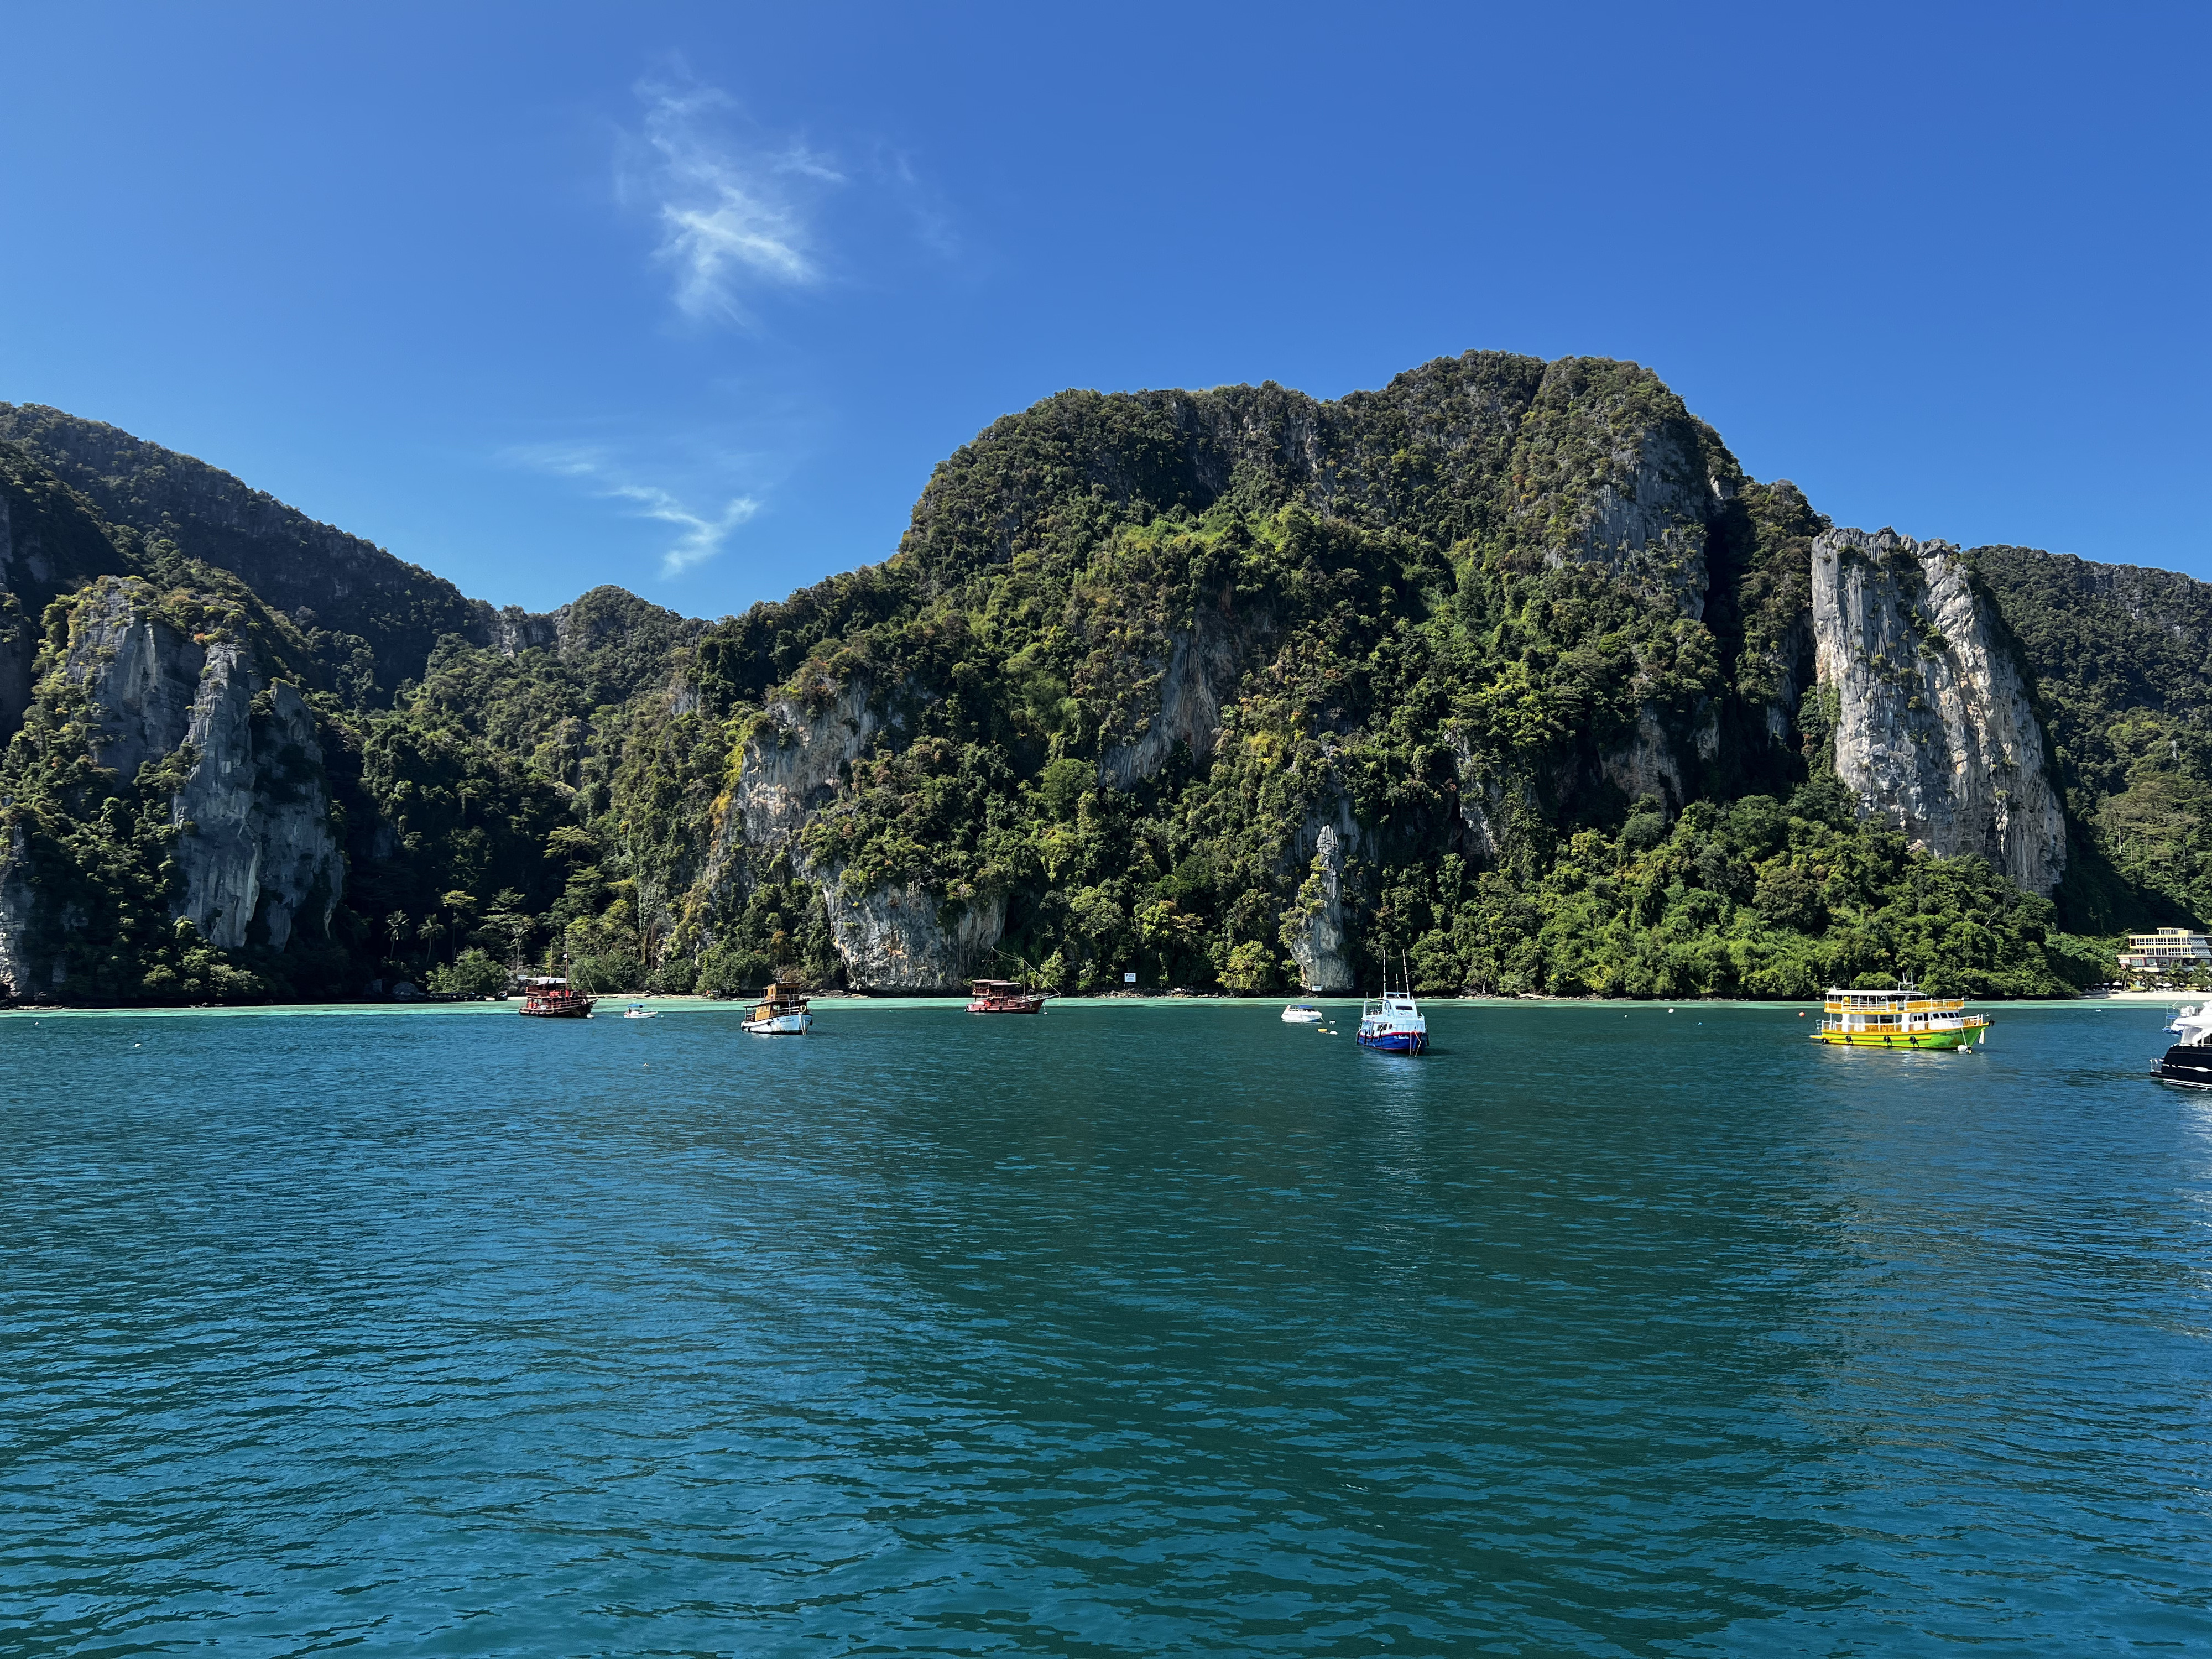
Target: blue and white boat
[(1394, 1026)]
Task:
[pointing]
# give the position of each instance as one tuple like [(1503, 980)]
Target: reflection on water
[(1125, 1330)]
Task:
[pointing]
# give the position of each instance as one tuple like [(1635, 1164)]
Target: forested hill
[(1507, 666)]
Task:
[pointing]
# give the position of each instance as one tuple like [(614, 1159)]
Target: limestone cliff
[(791, 763), (898, 939), (1313, 928), (1614, 475), (893, 938), (258, 853), (18, 905), (49, 541), (1935, 730), (315, 572), (1197, 673)]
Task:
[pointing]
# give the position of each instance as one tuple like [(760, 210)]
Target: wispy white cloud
[(701, 538), (741, 212), (735, 211), (701, 532)]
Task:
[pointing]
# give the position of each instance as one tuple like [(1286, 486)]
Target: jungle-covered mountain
[(1507, 670)]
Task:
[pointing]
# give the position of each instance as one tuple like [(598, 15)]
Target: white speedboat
[(1301, 1013), (639, 1011)]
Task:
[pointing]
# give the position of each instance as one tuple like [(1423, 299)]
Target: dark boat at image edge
[(2188, 1064)]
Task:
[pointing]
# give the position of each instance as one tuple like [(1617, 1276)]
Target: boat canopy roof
[(996, 985), (1909, 999)]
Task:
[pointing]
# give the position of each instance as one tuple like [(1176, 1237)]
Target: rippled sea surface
[(1132, 1329)]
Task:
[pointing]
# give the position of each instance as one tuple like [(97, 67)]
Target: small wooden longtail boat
[(1003, 996)]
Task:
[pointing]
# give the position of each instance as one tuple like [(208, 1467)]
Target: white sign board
[(1128, 979)]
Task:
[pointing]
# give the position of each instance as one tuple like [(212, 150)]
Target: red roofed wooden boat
[(554, 998), (1003, 996)]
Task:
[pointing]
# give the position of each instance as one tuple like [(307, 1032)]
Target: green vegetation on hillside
[(1556, 756)]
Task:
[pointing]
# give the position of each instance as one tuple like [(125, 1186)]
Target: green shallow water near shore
[(1137, 1328)]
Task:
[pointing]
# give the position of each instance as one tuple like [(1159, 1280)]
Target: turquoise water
[(1127, 1330)]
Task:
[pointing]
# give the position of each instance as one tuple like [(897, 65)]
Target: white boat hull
[(782, 1025)]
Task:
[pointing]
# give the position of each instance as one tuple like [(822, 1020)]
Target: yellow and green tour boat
[(1906, 1018)]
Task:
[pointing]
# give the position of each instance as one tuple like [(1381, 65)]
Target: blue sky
[(693, 297)]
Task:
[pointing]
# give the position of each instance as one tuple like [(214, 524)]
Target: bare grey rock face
[(1200, 672), (1646, 764), (513, 630), (791, 767), (898, 939), (140, 676), (1313, 928), (259, 840), (1934, 733), (1481, 803), (16, 968), (895, 937), (1647, 522)]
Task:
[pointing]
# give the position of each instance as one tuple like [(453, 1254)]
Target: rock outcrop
[(900, 939), (1935, 732), (259, 845), (315, 572), (1200, 672), (49, 541), (791, 763), (1313, 928), (1647, 522), (17, 970), (896, 937)]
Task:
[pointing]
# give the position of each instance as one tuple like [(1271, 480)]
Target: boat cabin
[(780, 1011)]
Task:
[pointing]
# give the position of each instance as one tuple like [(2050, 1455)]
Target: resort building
[(2170, 949)]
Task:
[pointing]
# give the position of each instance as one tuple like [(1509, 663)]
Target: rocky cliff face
[(790, 766), (1199, 672), (260, 844), (315, 572), (49, 541), (1648, 524), (18, 969), (1314, 929), (1934, 729), (897, 939)]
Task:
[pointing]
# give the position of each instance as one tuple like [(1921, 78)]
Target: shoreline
[(957, 1003)]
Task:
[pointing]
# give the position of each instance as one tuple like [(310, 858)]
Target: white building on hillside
[(2170, 949)]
